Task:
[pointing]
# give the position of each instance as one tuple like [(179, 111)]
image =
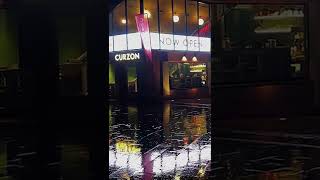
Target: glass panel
[(119, 19), (179, 11), (166, 22), (166, 25), (192, 12), (204, 18), (110, 24), (151, 8), (272, 37), (111, 80), (133, 9), (186, 75), (132, 79)]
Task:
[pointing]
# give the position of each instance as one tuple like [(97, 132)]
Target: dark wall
[(267, 100), (314, 42), (71, 36)]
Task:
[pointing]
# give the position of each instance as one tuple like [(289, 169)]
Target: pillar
[(38, 55), (314, 42), (97, 69)]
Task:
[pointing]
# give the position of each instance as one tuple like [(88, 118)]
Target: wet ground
[(171, 141), (168, 141)]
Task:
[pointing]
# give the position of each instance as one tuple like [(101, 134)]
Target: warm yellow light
[(147, 13), (127, 147), (123, 21), (184, 58), (175, 18), (194, 59), (201, 21)]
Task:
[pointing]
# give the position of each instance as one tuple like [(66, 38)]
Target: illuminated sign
[(127, 57), (160, 41)]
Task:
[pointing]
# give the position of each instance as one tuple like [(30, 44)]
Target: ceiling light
[(184, 58), (201, 21), (194, 59), (175, 18), (147, 13), (123, 21)]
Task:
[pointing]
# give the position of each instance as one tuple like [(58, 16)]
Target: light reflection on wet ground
[(171, 142)]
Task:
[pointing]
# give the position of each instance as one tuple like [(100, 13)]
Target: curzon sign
[(127, 57)]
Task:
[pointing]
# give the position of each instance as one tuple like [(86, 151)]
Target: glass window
[(272, 37), (187, 75), (166, 17), (132, 79), (151, 9), (179, 13), (110, 24), (204, 19), (112, 80), (119, 19), (192, 13), (133, 7)]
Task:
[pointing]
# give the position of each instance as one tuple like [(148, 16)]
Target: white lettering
[(127, 57), (117, 57)]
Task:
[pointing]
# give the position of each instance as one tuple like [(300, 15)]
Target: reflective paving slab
[(170, 141)]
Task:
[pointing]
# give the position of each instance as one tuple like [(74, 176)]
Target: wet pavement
[(168, 141), (266, 155), (172, 141)]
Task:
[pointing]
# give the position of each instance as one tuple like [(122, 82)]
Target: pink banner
[(143, 28)]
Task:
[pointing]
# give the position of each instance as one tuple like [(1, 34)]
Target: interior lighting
[(184, 58), (194, 59), (147, 13), (201, 21), (175, 18), (123, 21)]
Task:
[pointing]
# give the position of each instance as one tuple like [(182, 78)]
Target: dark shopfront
[(262, 58)]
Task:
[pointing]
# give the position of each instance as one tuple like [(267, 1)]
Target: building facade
[(180, 36)]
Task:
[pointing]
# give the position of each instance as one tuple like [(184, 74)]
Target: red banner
[(143, 28), (205, 30)]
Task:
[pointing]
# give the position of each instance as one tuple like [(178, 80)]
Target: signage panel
[(120, 42), (161, 41)]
